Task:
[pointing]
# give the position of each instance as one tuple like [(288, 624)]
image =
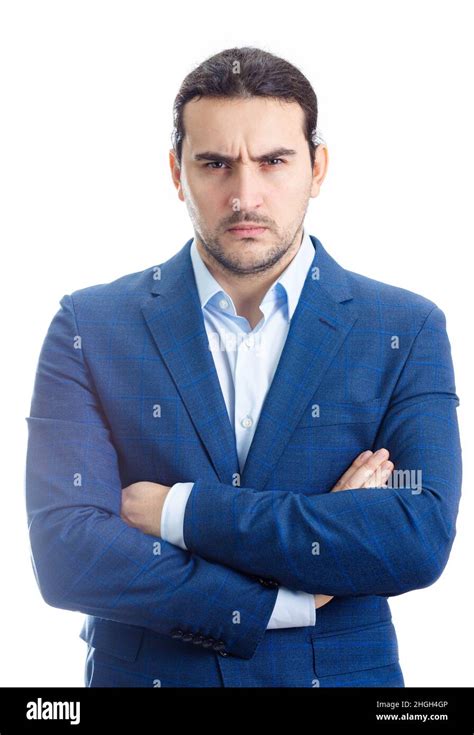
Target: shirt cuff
[(293, 609), (172, 514)]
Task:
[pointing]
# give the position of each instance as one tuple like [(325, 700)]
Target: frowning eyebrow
[(214, 156)]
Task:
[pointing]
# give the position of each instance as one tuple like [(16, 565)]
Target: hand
[(320, 600), (367, 470), (142, 504)]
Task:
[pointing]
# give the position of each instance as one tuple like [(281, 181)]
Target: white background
[(86, 94)]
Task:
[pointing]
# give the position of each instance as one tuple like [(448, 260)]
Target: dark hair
[(247, 72)]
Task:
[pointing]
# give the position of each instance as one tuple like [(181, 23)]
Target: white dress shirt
[(246, 360)]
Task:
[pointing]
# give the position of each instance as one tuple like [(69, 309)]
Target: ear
[(176, 173), (320, 168)]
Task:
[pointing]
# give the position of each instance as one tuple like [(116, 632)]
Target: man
[(237, 456)]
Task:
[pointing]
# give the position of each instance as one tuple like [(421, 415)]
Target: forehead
[(226, 122)]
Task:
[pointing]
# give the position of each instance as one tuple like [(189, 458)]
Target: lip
[(247, 230)]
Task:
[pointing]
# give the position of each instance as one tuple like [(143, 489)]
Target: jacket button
[(187, 637), (219, 646), (176, 633), (267, 582), (207, 642), (198, 639)]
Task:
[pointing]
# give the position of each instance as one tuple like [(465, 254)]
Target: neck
[(247, 291)]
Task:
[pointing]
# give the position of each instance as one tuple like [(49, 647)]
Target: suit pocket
[(116, 639), (361, 650), (326, 413)]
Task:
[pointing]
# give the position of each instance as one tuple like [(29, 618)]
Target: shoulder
[(390, 303), (121, 296)]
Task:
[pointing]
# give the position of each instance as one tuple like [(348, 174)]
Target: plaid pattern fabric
[(126, 390)]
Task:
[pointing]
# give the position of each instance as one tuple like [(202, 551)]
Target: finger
[(357, 463), (320, 600), (380, 477), (364, 473)]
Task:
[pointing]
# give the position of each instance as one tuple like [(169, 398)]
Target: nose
[(246, 190)]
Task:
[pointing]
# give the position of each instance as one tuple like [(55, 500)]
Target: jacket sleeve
[(382, 541), (84, 556)]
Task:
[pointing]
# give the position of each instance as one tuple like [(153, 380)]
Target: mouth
[(247, 231)]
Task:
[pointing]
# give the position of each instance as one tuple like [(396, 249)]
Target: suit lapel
[(320, 324), (174, 317)]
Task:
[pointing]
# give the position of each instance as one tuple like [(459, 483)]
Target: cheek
[(290, 195), (205, 200), (192, 205)]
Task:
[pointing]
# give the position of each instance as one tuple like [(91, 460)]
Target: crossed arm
[(143, 502)]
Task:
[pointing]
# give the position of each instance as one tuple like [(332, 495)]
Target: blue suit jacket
[(126, 390)]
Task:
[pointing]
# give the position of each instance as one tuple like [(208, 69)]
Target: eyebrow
[(214, 156)]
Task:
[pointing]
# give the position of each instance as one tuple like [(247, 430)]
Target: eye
[(216, 165), (219, 163)]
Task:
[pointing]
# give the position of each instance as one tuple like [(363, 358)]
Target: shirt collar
[(290, 282)]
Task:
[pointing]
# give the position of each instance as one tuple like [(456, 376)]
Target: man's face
[(246, 161)]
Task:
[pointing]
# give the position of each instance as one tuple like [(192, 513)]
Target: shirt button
[(223, 304), (246, 422), (249, 342)]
